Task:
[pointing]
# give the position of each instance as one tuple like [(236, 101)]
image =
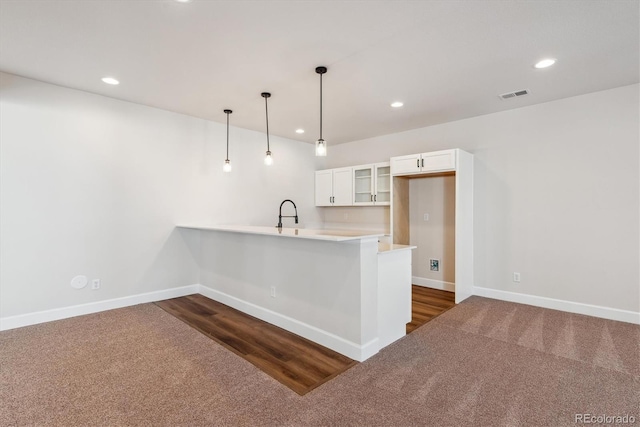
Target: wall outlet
[(273, 292), (434, 264), (426, 217), (95, 284), (516, 277)]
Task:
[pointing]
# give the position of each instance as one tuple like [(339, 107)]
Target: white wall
[(92, 185), (374, 218), (556, 194)]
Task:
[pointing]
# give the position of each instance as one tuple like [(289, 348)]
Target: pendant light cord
[(320, 106), (266, 110), (227, 136)]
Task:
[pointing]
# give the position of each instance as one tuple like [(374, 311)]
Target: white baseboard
[(348, 348), (433, 284), (12, 322), (334, 342), (562, 305), (327, 339)]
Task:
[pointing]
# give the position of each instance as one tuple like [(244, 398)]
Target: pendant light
[(321, 144), (227, 162), (268, 160)]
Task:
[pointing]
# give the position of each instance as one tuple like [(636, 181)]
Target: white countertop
[(302, 233)]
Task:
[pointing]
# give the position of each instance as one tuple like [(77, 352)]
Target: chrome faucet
[(287, 216)]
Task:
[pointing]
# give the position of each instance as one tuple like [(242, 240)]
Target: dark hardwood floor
[(427, 303), (296, 362)]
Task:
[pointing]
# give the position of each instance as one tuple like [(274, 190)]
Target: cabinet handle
[(418, 163), (375, 198), (422, 162), (372, 197)]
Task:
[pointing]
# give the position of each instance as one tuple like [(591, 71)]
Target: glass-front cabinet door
[(363, 181), (372, 184), (382, 195)]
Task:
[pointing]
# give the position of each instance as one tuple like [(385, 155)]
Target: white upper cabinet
[(342, 185), (324, 188), (438, 161), (372, 184), (333, 187), (435, 161), (405, 165)]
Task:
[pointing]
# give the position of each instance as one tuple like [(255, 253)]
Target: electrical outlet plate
[(273, 292), (516, 277), (95, 284), (434, 264)]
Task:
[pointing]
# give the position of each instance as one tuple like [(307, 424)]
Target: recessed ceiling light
[(397, 104), (110, 81), (299, 130), (183, 1), (545, 63)]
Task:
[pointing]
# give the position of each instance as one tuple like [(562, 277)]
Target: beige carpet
[(482, 363)]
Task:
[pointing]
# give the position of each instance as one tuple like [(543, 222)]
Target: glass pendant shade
[(321, 148), (268, 160), (227, 166)]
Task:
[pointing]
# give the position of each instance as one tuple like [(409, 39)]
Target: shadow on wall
[(176, 263)]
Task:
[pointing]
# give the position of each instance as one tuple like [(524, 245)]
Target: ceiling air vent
[(514, 94)]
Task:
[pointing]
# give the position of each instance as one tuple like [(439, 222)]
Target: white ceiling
[(446, 60)]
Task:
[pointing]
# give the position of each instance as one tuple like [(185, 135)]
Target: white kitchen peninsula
[(335, 287)]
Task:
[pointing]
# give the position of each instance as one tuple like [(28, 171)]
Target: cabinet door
[(405, 165), (382, 192), (363, 183), (324, 187), (439, 161), (342, 187)]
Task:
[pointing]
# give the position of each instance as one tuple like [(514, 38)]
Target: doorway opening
[(424, 216)]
